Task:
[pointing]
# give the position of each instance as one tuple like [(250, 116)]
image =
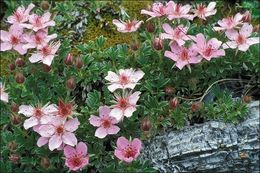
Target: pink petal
[(230, 44), (119, 154), (26, 110), (128, 160), (231, 34), (19, 49), (35, 58), (104, 111), (84, 162), (215, 43), (116, 113), (180, 64), (200, 39), (211, 6), (45, 119), (46, 17), (112, 77), (54, 142), (129, 111), (167, 28), (81, 148), (5, 46), (101, 132), (69, 151), (72, 125), (5, 36), (113, 130), (114, 87), (122, 143), (57, 121), (95, 121), (46, 130), (42, 141), (50, 109), (134, 98), (137, 76), (32, 121), (243, 47), (118, 23), (246, 30), (166, 36), (48, 60), (253, 40), (4, 97), (69, 139), (137, 143)]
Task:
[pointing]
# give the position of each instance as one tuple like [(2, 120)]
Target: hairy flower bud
[(15, 119), (71, 83), (247, 98), (12, 145), (134, 46), (12, 66), (45, 5), (173, 103), (46, 68), (256, 28), (146, 124), (158, 44), (247, 17), (150, 27), (169, 90), (79, 62), (196, 106), (19, 62), (14, 158), (45, 162), (19, 78), (14, 107), (69, 59)]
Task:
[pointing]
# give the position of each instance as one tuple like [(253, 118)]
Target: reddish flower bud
[(134, 46), (150, 27), (69, 59), (46, 68), (79, 63), (173, 103), (14, 107), (12, 145), (146, 124), (15, 119), (14, 158), (256, 28), (169, 90), (19, 62), (19, 78), (11, 66), (71, 83), (247, 17), (45, 5), (158, 44), (247, 98), (45, 162), (196, 106)]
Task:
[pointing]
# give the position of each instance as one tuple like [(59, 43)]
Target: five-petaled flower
[(3, 94), (38, 115), (76, 158), (240, 39), (105, 123), (177, 11), (202, 11), (127, 151), (126, 78), (129, 26), (182, 56), (229, 22), (125, 105), (59, 131), (21, 15)]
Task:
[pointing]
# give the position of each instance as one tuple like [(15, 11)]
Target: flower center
[(177, 9), (76, 161), (59, 130), (46, 50), (38, 39), (240, 39), (129, 152), (230, 21), (65, 110), (14, 40), (161, 10), (123, 79), (106, 123), (184, 55), (123, 103), (38, 21), (201, 9), (177, 32), (208, 51), (38, 113), (128, 26)]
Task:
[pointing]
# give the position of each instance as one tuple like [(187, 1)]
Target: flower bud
[(11, 66), (79, 63), (196, 106), (150, 27), (158, 44), (256, 28), (146, 124), (71, 83), (45, 162), (69, 59), (134, 46), (19, 78), (173, 103), (169, 90), (247, 98), (19, 62), (46, 68), (14, 158), (14, 107), (247, 17), (15, 119), (45, 5), (12, 145)]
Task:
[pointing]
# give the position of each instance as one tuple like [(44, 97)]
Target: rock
[(214, 146)]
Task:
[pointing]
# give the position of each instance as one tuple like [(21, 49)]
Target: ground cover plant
[(70, 104)]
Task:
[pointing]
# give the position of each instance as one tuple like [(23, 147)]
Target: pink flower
[(13, 39), (157, 10), (229, 22), (45, 54), (38, 115), (104, 122), (208, 49), (20, 15), (59, 131), (177, 11), (177, 34), (127, 151), (125, 105), (76, 158), (240, 39), (183, 56), (127, 78), (40, 38), (3, 94), (129, 26), (202, 11), (39, 22)]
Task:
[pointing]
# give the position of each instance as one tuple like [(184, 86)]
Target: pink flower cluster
[(29, 31)]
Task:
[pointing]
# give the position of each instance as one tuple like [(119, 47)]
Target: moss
[(5, 60)]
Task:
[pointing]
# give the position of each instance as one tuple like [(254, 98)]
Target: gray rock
[(214, 146)]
